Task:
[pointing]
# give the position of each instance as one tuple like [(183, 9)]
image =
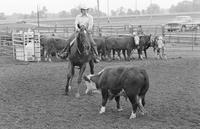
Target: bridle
[(82, 39)]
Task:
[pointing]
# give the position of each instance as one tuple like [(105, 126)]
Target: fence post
[(163, 30), (100, 32), (169, 36), (55, 28), (178, 39), (192, 40), (67, 31)]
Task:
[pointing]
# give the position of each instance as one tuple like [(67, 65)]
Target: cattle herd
[(107, 46), (113, 82)]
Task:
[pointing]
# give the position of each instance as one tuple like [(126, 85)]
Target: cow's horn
[(86, 78)]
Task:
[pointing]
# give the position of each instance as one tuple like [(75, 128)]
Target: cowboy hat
[(83, 6)]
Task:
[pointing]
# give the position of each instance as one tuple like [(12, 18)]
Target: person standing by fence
[(161, 48)]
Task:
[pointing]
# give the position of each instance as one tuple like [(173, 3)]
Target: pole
[(98, 17), (150, 10), (135, 5), (98, 11), (38, 17), (108, 11)]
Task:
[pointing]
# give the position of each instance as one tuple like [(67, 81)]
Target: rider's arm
[(76, 23), (90, 23)]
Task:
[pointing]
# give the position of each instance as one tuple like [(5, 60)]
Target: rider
[(87, 20), (140, 31)]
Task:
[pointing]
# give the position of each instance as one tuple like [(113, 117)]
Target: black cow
[(52, 45), (101, 46), (129, 81), (124, 43)]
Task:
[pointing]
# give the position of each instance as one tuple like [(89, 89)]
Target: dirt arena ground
[(31, 96)]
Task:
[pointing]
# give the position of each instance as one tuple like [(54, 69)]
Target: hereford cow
[(128, 81)]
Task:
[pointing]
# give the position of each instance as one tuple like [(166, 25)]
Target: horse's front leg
[(82, 69), (145, 53), (91, 64), (139, 54), (70, 76)]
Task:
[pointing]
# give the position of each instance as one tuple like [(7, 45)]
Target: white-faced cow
[(113, 82)]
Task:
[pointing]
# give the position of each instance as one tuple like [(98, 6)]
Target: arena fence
[(26, 46), (101, 30), (6, 47)]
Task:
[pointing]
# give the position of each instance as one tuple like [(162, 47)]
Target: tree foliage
[(185, 6), (153, 9), (2, 16)]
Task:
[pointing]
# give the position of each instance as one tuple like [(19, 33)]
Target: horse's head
[(154, 41), (149, 39), (83, 41)]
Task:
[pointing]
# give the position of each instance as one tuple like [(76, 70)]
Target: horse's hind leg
[(145, 53), (82, 69)]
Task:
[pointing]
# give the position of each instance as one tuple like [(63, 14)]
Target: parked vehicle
[(181, 23)]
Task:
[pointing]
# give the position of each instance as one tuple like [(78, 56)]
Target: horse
[(144, 43), (79, 55)]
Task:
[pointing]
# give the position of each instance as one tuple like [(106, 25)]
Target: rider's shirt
[(86, 20), (160, 43), (137, 40)]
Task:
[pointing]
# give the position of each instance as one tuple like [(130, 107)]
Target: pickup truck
[(181, 23)]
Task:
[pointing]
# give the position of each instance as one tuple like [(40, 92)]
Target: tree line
[(184, 6)]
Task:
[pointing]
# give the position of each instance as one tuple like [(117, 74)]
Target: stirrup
[(96, 60)]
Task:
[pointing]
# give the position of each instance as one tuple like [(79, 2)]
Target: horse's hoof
[(77, 95)]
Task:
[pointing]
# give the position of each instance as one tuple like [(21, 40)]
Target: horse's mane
[(80, 45)]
